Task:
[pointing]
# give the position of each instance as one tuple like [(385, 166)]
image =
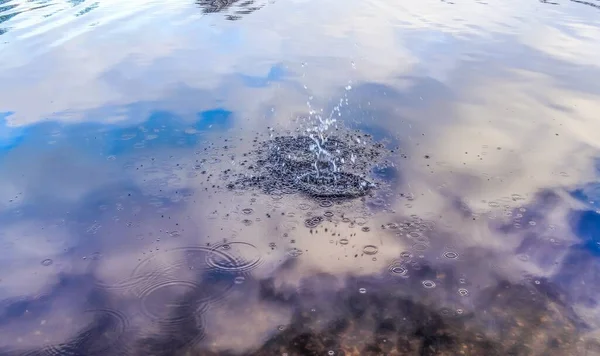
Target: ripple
[(175, 264), (366, 229), (294, 252), (47, 262), (370, 250), (303, 206), (247, 211), (428, 284), (105, 335), (344, 241), (234, 257), (420, 247), (313, 222), (325, 203), (328, 214), (397, 269), (451, 255), (463, 292)]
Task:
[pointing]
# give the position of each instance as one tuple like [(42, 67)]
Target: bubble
[(463, 292), (313, 222), (451, 255), (247, 211), (370, 250), (362, 290), (47, 262), (240, 257), (344, 241), (428, 284)]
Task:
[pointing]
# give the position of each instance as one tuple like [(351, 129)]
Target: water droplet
[(47, 262), (366, 229), (281, 327), (239, 279), (362, 290), (247, 211), (344, 241), (330, 352), (428, 284), (370, 249), (463, 292)]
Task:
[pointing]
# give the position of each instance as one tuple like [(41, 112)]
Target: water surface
[(122, 125)]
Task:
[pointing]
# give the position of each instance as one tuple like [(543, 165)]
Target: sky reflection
[(119, 234)]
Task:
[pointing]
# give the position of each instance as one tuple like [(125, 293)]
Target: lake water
[(152, 201)]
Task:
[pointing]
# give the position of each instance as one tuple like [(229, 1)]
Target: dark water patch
[(233, 9), (289, 164)]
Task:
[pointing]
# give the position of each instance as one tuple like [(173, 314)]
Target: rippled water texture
[(159, 194)]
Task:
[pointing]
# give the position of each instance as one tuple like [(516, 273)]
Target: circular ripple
[(328, 214), (183, 263), (398, 269), (103, 336), (303, 206), (325, 203), (247, 211), (428, 284), (313, 222), (344, 241), (47, 262), (165, 302), (451, 255), (370, 250), (234, 257)]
